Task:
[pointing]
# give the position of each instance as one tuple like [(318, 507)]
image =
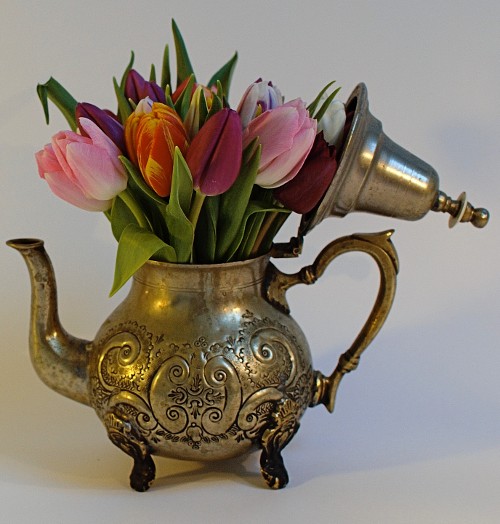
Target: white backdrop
[(415, 437)]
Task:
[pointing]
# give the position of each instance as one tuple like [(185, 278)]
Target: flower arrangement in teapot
[(182, 176), (195, 193)]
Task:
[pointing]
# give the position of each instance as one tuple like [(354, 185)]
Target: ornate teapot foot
[(122, 434), (274, 439), (282, 426)]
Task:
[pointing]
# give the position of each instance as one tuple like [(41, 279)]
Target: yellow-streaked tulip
[(151, 138)]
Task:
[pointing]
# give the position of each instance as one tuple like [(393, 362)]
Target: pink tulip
[(305, 191), (83, 170), (286, 134), (214, 156)]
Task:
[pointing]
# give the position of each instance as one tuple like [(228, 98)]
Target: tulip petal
[(99, 138), (97, 177), (226, 159), (214, 156), (289, 162), (105, 120), (46, 161), (62, 187), (304, 191), (155, 155), (275, 129), (60, 141)]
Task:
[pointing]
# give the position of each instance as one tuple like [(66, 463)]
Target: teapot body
[(196, 364), (200, 362)]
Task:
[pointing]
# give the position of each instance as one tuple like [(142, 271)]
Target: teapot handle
[(380, 247)]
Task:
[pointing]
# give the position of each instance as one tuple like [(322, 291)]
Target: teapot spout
[(59, 359)]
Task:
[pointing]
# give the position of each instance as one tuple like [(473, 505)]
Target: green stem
[(263, 231), (194, 212), (132, 204)]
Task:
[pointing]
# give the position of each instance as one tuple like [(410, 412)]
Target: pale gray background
[(415, 437)]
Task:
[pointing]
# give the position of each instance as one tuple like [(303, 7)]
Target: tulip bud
[(305, 190), (332, 123), (137, 88), (105, 121), (258, 98), (214, 156), (195, 115)]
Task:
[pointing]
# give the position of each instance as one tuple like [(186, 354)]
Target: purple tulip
[(106, 121), (258, 98), (286, 134), (83, 170), (137, 88), (214, 156), (307, 188)]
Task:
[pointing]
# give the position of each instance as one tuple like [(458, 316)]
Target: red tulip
[(214, 156), (305, 191)]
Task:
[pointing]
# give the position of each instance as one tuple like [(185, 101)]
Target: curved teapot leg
[(122, 434), (274, 439)]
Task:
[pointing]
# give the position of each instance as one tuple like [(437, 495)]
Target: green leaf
[(217, 105), (121, 216), (182, 103), (277, 221), (182, 182), (54, 91), (312, 106), (168, 97), (180, 229), (152, 74), (124, 107), (127, 70), (138, 180), (322, 110), (235, 251), (165, 69), (205, 239), (252, 230), (135, 247), (223, 95), (234, 201), (152, 205), (224, 74), (203, 109), (184, 67)]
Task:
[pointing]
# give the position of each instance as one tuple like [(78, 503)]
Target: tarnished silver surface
[(199, 362), (376, 175)]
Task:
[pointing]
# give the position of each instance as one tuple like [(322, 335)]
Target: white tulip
[(332, 122)]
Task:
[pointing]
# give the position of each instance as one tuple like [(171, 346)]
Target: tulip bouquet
[(182, 176)]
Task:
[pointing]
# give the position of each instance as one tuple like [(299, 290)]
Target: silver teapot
[(204, 362)]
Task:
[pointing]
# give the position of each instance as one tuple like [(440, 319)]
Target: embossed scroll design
[(200, 394)]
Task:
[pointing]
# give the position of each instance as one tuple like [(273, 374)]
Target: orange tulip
[(151, 139)]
